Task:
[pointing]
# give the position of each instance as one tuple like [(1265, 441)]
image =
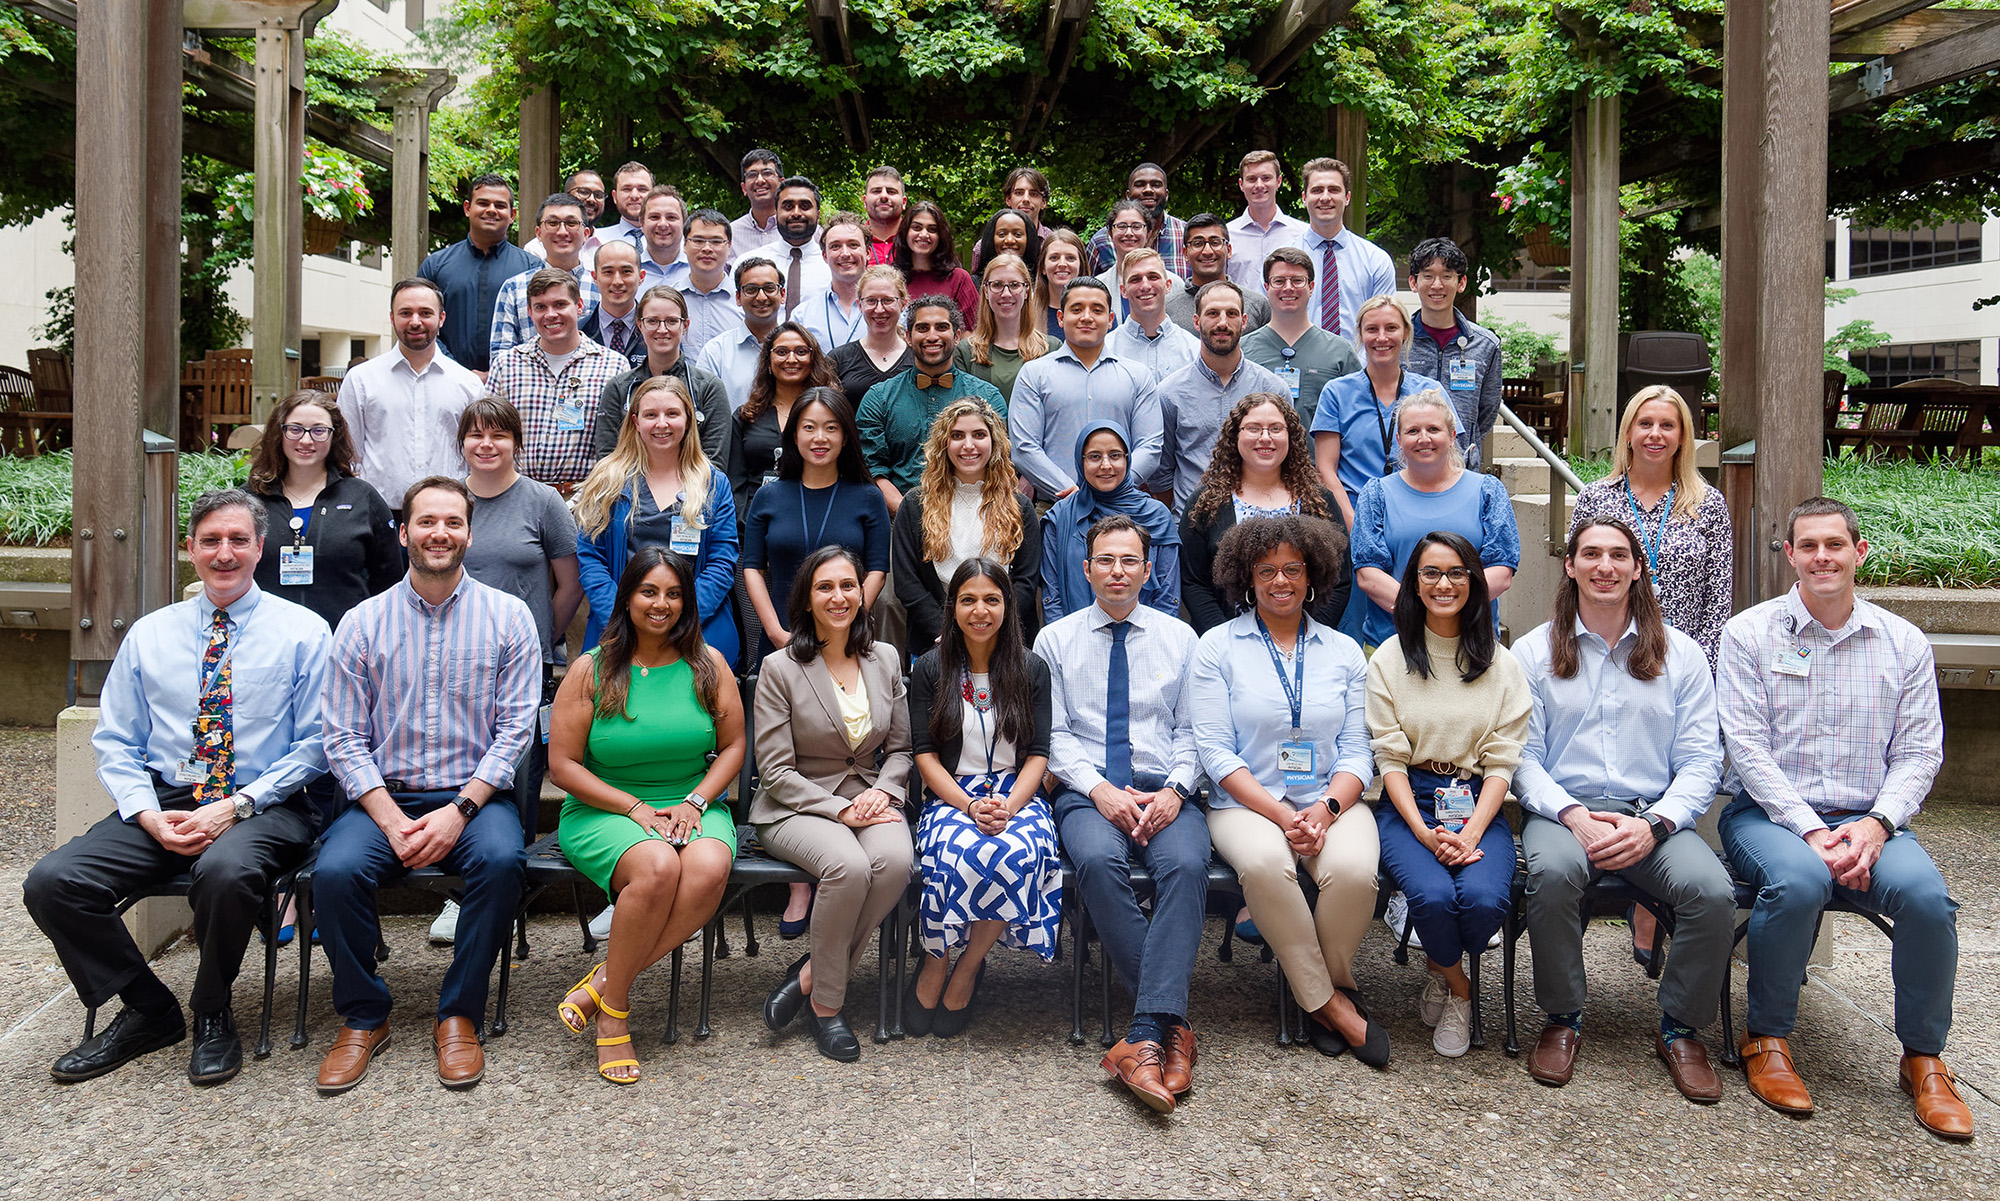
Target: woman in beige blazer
[(833, 754)]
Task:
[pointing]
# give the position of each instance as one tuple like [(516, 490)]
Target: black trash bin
[(1653, 356)]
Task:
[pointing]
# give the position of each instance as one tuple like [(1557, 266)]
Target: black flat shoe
[(218, 1051), (789, 929), (1330, 1043), (835, 1038), (918, 1018), (950, 1023), (130, 1035), (783, 1005), (1374, 1050)]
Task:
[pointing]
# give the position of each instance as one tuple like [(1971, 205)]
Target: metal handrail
[(1560, 474)]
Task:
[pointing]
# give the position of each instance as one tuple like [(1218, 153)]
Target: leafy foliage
[(36, 495)]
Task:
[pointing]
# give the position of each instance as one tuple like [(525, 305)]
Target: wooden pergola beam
[(1062, 33), (826, 21), (1283, 40), (1847, 17), (1943, 61), (1908, 32)]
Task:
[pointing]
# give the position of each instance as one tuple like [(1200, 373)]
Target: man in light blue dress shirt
[(1080, 381), (1624, 755), (1122, 744), (1350, 268), (232, 813)]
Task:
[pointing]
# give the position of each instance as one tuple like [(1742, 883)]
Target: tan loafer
[(1687, 1062), (1554, 1057), (461, 1060), (1932, 1086), (1767, 1064), (1138, 1066), (347, 1061), (1177, 1061)]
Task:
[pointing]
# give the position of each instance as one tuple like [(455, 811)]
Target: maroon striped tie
[(1329, 289)]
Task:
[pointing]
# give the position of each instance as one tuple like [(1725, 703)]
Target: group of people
[(970, 657)]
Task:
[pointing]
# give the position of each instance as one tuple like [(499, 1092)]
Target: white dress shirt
[(1250, 244), (1158, 649), (814, 275), (404, 422)]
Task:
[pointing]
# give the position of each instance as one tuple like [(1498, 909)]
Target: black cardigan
[(924, 692), (1204, 600), (922, 593), (356, 553)]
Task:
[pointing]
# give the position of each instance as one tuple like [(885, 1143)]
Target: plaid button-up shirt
[(550, 454)]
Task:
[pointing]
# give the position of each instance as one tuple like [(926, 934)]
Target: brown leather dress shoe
[(1767, 1063), (1177, 1061), (1687, 1062), (347, 1060), (1940, 1109), (1138, 1066), (461, 1060), (1554, 1056)]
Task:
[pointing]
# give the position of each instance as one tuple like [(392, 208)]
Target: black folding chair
[(1610, 895), (1746, 898), (1221, 881)]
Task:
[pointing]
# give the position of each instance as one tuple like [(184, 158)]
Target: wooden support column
[(412, 96), (1350, 143), (127, 315), (541, 153), (1593, 289), (1774, 113)]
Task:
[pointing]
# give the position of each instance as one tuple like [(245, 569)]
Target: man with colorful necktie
[(208, 733)]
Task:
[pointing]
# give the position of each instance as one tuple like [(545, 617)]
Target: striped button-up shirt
[(1366, 271), (432, 695), (1851, 722), (1055, 396), (512, 323), (1603, 735), (1158, 650), (524, 376)]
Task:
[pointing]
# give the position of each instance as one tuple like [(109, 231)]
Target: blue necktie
[(1118, 711)]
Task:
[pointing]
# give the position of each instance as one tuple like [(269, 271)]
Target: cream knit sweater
[(1480, 725)]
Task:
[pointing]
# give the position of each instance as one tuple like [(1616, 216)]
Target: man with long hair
[(1623, 757)]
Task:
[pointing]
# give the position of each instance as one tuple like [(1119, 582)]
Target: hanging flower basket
[(325, 235), (1544, 249)]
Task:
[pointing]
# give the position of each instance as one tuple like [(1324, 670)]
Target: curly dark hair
[(1318, 541), (764, 385), (1225, 467)]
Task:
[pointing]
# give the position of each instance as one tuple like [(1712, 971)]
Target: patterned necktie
[(617, 334), (214, 734), (792, 285), (1329, 289), (1118, 710)]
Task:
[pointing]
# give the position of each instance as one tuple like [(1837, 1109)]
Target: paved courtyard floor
[(1009, 1109)]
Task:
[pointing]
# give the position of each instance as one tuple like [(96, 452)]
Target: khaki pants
[(862, 874), (1314, 945)]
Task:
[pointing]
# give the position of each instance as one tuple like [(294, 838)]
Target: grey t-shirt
[(515, 536)]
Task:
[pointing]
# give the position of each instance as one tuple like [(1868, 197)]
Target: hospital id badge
[(1454, 806), (191, 771), (1462, 376), (1299, 760), (543, 717), (295, 565), (685, 539), (569, 415), (1796, 662), (1290, 375)]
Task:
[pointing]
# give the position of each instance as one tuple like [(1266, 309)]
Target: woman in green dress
[(646, 736)]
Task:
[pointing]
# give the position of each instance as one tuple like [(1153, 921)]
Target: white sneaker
[(1430, 1006), (600, 926), (444, 931), (1396, 916), (1493, 943), (1453, 1036)]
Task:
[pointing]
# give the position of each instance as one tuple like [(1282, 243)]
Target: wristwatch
[(1182, 791), (1888, 827), (245, 807), (1659, 827), (467, 807), (699, 801)]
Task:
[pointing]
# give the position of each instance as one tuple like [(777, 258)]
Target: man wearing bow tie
[(896, 415)]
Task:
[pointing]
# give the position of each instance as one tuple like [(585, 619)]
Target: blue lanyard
[(816, 542), (1659, 537), (1295, 688)]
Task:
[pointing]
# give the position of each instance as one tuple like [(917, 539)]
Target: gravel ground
[(1009, 1109)]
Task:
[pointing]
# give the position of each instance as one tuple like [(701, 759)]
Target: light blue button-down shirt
[(1157, 651), (1056, 396), (1602, 735), (655, 275), (1194, 401), (1163, 353), (709, 314), (1366, 271), (1241, 713), (277, 664), (833, 327), (731, 357)]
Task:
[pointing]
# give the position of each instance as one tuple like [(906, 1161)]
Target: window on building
[(1890, 365), (1523, 275), (371, 255), (1883, 251), (308, 356)]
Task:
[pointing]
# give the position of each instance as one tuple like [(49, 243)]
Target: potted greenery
[(1534, 194), (334, 192)]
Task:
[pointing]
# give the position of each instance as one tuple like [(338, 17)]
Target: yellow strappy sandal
[(573, 1016), (604, 1069)]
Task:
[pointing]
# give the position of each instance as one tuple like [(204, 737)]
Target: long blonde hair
[(999, 512), (626, 464), (1033, 342), (1689, 487)]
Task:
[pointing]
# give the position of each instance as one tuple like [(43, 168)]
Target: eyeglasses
[(1097, 458), (660, 323), (307, 433), (791, 352), (1128, 227), (587, 193), (880, 302), (1264, 431), (1124, 562), (766, 173), (569, 223), (1291, 571), (1431, 575), (1207, 243), (706, 241), (760, 289), (1009, 288)]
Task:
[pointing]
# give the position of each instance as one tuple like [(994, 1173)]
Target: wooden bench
[(1922, 417), (1542, 404)]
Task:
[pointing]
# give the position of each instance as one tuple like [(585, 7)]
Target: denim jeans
[(1454, 909)]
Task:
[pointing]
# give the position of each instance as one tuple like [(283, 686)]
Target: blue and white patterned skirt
[(1014, 876)]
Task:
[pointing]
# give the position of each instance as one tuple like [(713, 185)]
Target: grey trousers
[(1682, 871), (862, 874)]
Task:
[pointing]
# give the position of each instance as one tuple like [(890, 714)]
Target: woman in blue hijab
[(1105, 487)]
